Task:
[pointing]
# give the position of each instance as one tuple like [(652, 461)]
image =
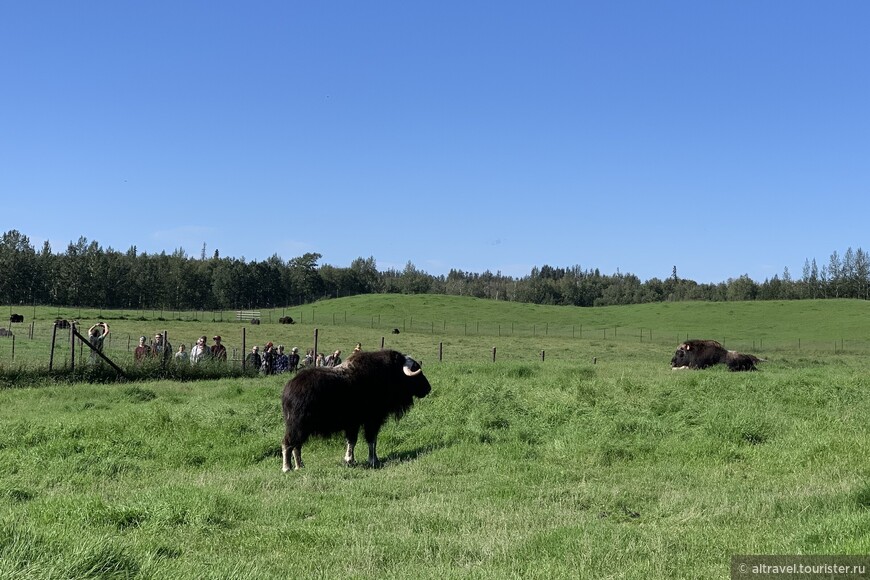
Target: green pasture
[(596, 462), (454, 329)]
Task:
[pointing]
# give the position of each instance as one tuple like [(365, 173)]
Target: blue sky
[(723, 138)]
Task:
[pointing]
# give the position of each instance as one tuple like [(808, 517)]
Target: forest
[(86, 274)]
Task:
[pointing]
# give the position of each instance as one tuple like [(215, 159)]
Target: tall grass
[(522, 468)]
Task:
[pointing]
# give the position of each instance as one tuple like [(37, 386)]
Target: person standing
[(200, 351), (96, 336), (333, 360), (218, 350), (269, 355), (282, 361), (160, 349), (254, 360), (181, 356), (142, 351), (293, 360)]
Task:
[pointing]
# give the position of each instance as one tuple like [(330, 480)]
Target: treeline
[(85, 274)]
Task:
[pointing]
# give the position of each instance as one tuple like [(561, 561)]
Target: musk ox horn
[(409, 364)]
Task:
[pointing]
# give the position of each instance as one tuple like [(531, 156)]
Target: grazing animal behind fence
[(286, 320), (61, 323), (255, 321), (364, 392), (395, 331), (16, 318), (700, 354)]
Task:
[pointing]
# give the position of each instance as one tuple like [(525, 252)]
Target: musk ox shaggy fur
[(368, 389), (700, 354), (16, 318), (286, 320)]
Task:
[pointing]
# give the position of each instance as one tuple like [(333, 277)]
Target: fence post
[(493, 354), (72, 347), (53, 337), (440, 351), (542, 356), (13, 347), (382, 342), (244, 349)]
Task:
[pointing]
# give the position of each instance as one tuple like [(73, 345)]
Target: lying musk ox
[(700, 354), (286, 320), (364, 392)]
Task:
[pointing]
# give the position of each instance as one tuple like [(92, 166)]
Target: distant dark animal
[(700, 354), (364, 392), (255, 321), (286, 320), (395, 331), (61, 323), (16, 318), (4, 332)]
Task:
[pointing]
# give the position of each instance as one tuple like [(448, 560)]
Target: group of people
[(274, 360), (160, 348), (331, 360)]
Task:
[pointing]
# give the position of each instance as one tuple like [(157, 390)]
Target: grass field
[(519, 469)]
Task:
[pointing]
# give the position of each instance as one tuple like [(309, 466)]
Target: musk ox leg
[(351, 437), (291, 453), (297, 457), (285, 459), (291, 458), (373, 454), (371, 434)]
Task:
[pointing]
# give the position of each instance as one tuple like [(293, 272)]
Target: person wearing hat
[(142, 350), (293, 360), (159, 349), (218, 350)]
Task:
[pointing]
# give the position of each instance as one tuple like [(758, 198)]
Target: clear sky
[(720, 137)]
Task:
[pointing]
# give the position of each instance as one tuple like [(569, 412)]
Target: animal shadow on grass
[(400, 457)]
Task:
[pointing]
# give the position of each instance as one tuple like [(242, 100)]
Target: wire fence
[(450, 341)]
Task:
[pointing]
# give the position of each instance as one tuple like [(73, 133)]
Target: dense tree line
[(85, 274)]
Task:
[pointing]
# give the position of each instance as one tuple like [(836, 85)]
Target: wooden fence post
[(53, 337)]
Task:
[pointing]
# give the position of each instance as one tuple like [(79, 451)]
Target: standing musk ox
[(700, 354), (364, 392), (16, 318)]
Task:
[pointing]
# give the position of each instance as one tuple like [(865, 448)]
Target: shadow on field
[(404, 456)]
